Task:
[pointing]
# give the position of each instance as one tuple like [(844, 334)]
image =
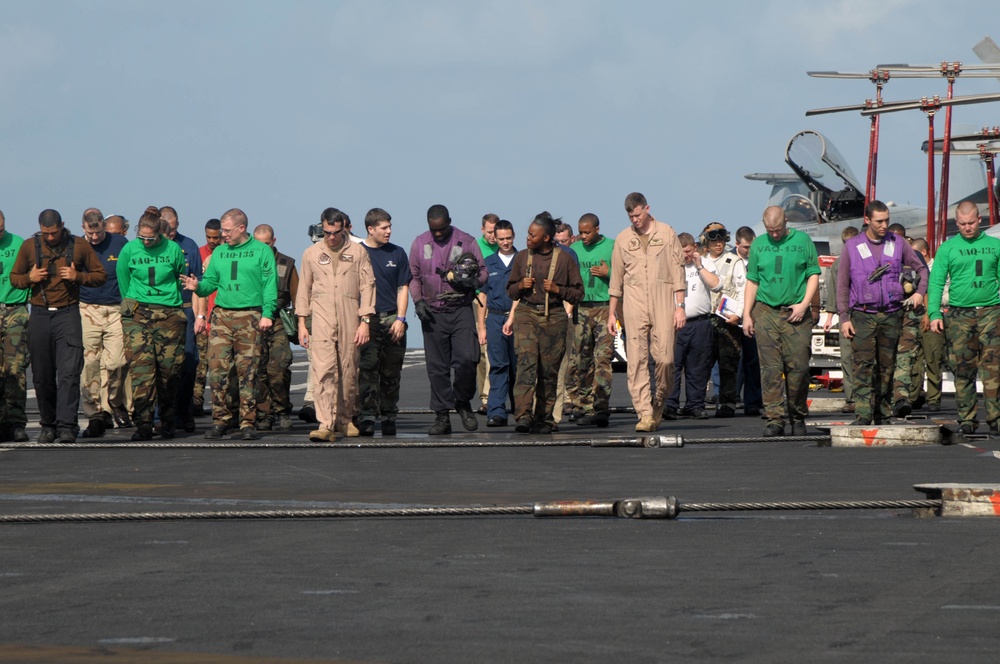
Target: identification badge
[(864, 251), (346, 258), (889, 250)]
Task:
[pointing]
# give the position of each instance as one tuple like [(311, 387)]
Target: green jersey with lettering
[(974, 268), (151, 275), (243, 277), (781, 268), (595, 289), (10, 244)]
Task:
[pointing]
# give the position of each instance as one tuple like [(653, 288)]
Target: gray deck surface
[(836, 586)]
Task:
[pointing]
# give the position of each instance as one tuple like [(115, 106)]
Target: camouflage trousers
[(904, 385), (379, 368), (728, 349), (930, 363), (201, 374), (102, 383), (539, 344), (847, 366), (13, 364), (233, 358), (876, 337), (973, 337), (274, 376), (154, 347), (589, 372), (784, 350)]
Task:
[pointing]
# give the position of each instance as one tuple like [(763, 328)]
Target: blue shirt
[(496, 283), (391, 268), (107, 251), (192, 261)]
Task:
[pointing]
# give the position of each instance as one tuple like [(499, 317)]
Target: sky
[(285, 108)]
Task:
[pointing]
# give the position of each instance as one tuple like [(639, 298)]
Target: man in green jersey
[(589, 385), (13, 343), (242, 274), (971, 260), (782, 278)]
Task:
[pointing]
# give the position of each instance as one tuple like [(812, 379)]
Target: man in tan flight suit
[(647, 276), (337, 288)]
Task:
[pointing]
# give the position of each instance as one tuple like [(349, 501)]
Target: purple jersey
[(429, 260)]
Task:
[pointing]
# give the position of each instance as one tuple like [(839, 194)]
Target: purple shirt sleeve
[(844, 286)]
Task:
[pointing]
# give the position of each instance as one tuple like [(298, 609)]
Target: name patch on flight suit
[(324, 259), (656, 242), (347, 258)]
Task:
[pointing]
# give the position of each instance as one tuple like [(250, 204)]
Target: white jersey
[(698, 300)]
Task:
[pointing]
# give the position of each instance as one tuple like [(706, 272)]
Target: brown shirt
[(567, 277), (54, 291)]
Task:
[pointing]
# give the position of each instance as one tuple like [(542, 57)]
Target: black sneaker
[(389, 428), (920, 402), (20, 435), (308, 414), (65, 436), (143, 432), (669, 413), (167, 431), (217, 432), (543, 428), (798, 428), (95, 428), (46, 436), (284, 423), (523, 425), (187, 423), (264, 424), (109, 420), (248, 433), (725, 411), (496, 421), (752, 412), (902, 408), (469, 419), (934, 407), (366, 428), (441, 426), (697, 413), (968, 427), (773, 431)]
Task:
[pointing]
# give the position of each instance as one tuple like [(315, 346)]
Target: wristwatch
[(366, 319), (201, 316), (680, 305)]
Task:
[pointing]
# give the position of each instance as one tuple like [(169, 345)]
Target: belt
[(693, 319), (391, 312), (540, 308), (257, 309), (4, 306), (780, 307), (962, 310), (498, 312), (593, 303), (874, 310), (150, 305), (186, 305), (75, 305)]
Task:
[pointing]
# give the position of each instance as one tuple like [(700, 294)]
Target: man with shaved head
[(274, 405), (782, 278), (55, 265), (116, 225), (970, 264)]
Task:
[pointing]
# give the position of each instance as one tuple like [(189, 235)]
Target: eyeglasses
[(227, 231), (148, 239), (332, 233)]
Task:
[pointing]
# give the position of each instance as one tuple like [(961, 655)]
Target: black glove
[(424, 311)]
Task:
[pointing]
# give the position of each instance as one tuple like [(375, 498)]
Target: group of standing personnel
[(118, 324)]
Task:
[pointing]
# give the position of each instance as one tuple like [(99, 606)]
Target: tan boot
[(322, 436), (646, 424), (657, 415), (347, 429)]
